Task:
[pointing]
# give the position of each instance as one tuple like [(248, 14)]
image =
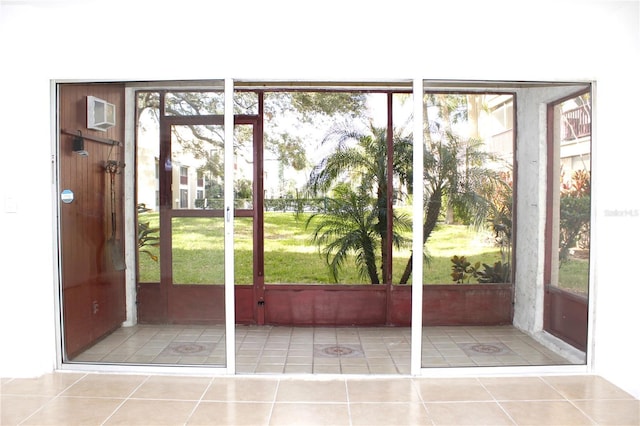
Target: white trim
[(55, 180), (418, 213), (593, 254), (533, 370), (186, 370), (229, 278)]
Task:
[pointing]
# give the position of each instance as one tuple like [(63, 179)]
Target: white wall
[(560, 40)]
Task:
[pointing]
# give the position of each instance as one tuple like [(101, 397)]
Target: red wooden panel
[(76, 309), (475, 304), (325, 305), (196, 304), (150, 309), (244, 304), (566, 316), (472, 304), (150, 304), (400, 306)]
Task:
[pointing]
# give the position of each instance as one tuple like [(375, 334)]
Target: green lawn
[(574, 276), (291, 258)]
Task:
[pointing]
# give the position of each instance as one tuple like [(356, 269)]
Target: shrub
[(463, 271)]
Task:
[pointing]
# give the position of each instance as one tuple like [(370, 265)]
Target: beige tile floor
[(68, 398), (321, 350)]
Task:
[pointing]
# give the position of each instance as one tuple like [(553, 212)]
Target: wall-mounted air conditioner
[(101, 115)]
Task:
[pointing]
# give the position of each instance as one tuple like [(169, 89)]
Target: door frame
[(566, 315), (172, 298), (416, 290)]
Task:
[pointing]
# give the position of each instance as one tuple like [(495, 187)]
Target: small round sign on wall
[(67, 196)]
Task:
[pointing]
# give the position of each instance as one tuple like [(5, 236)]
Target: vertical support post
[(387, 260), (258, 214), (389, 206), (418, 214), (229, 278), (166, 204)]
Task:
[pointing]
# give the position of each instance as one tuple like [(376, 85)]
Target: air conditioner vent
[(101, 115)]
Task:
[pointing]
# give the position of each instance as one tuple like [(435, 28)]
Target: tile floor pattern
[(67, 398), (321, 350)]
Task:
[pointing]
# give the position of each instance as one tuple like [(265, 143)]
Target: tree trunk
[(371, 263), (382, 225), (431, 219)]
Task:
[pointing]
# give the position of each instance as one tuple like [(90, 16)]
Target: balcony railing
[(576, 123)]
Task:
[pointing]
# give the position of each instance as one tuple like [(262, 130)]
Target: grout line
[(415, 387), (273, 403), (286, 357), (496, 401), (346, 389), (56, 396), (554, 388), (200, 400), (125, 399), (567, 399)]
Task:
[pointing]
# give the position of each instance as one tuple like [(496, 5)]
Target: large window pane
[(196, 158), (468, 188), (326, 187), (574, 196), (468, 205), (244, 166), (566, 293)]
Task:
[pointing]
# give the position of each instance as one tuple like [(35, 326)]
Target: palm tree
[(361, 158), (347, 227), (458, 170)]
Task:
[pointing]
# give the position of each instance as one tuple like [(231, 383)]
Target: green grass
[(573, 276), (290, 257)]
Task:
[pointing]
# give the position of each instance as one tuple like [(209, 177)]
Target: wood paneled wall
[(93, 290)]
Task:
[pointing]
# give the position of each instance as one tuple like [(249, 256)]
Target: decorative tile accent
[(188, 348), (486, 349), (324, 348), (338, 351)]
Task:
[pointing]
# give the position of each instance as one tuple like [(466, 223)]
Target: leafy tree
[(351, 226), (348, 226), (361, 158), (311, 104), (500, 214), (454, 169), (575, 212), (207, 142), (243, 189)]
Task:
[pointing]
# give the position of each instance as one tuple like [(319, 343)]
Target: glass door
[(182, 225), (568, 227)]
